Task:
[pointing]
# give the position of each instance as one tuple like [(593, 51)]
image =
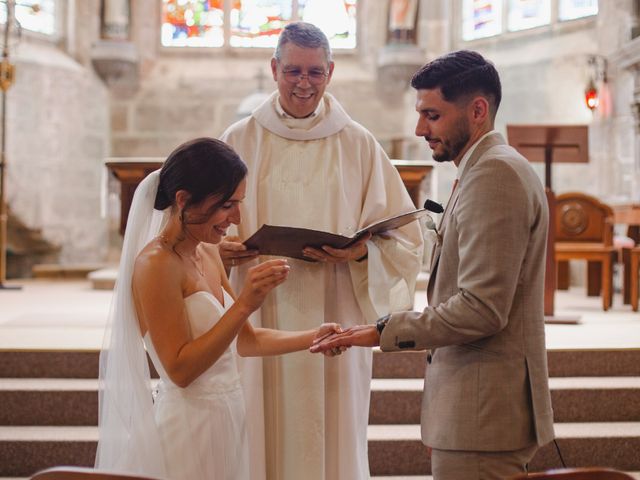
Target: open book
[(290, 241)]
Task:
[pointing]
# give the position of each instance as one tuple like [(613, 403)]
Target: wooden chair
[(593, 473), (82, 473), (584, 231)]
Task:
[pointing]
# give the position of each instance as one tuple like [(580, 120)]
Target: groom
[(486, 407)]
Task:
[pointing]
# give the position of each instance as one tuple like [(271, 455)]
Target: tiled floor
[(69, 314)]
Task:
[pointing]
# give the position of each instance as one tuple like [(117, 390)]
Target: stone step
[(562, 363), (49, 364), (575, 399), (49, 402), (46, 401), (397, 449), (52, 364), (104, 278), (26, 450), (64, 272), (393, 449)]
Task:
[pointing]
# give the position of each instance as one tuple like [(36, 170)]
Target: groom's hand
[(358, 336)]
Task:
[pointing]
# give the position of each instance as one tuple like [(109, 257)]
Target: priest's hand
[(356, 251), (358, 336), (234, 253)]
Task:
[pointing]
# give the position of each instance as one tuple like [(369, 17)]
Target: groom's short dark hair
[(460, 75)]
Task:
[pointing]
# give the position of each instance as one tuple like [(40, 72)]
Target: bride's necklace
[(195, 259)]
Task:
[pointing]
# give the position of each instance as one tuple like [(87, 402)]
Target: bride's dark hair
[(204, 167)]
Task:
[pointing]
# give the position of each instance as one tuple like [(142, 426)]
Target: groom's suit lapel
[(489, 142)]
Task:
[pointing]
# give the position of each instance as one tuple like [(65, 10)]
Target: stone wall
[(545, 72), (63, 121), (188, 93), (57, 138)]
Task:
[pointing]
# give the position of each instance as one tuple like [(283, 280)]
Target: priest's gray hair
[(305, 35)]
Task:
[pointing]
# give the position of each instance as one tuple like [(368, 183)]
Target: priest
[(312, 166)]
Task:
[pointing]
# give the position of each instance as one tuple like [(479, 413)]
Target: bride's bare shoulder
[(156, 258)]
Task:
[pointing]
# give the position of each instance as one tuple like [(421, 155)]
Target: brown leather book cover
[(290, 241)]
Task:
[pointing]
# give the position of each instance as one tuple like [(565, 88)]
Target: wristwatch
[(382, 322)]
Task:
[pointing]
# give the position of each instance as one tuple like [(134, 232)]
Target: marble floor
[(64, 314)]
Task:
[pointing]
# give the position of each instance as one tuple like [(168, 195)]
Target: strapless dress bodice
[(204, 310)]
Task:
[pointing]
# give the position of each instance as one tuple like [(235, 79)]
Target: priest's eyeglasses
[(295, 75)]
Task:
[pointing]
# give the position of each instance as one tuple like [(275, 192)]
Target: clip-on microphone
[(432, 206)]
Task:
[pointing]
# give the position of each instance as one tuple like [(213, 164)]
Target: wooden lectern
[(130, 172), (549, 144)]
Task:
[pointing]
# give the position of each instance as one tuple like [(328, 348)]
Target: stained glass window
[(572, 9), (253, 23), (525, 14), (192, 23), (34, 15), (336, 18), (257, 23), (484, 18), (481, 18)]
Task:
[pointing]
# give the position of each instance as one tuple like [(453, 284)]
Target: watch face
[(382, 322)]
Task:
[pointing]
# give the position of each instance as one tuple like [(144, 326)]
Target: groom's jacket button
[(407, 344)]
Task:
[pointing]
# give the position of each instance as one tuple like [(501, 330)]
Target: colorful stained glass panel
[(481, 18), (192, 23), (525, 14), (257, 23), (572, 9), (336, 18), (35, 15)]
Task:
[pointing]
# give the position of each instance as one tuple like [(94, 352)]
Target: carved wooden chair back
[(583, 218)]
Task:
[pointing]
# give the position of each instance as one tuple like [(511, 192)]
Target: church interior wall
[(544, 75), (545, 72), (64, 120), (57, 138), (186, 94)]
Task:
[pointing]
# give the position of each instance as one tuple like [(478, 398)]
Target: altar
[(418, 177)]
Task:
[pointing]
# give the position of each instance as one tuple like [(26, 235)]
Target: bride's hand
[(325, 332), (260, 280)]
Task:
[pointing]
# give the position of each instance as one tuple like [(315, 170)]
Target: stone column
[(114, 56), (115, 16), (400, 57)]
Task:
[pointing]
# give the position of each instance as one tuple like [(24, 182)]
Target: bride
[(173, 300)]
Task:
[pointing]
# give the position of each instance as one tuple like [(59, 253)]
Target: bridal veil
[(128, 437)]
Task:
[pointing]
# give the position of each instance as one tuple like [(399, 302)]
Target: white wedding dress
[(202, 427)]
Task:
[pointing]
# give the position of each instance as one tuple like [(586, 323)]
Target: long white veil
[(128, 436)]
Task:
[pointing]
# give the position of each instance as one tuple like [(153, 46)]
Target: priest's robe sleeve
[(385, 282)]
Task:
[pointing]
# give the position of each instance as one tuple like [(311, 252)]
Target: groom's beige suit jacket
[(486, 386)]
